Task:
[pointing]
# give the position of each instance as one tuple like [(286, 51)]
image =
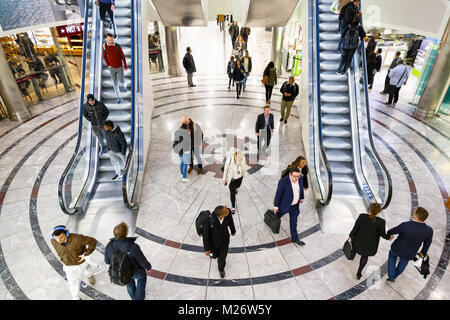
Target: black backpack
[(351, 38), (202, 218), (122, 269)]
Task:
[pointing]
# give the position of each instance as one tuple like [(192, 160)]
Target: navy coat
[(285, 195)]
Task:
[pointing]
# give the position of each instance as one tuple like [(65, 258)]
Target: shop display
[(293, 47)]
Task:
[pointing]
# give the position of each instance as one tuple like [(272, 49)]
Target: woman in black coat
[(300, 163), (238, 76), (366, 233)]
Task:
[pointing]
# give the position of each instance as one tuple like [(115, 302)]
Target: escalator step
[(328, 27), (328, 66), (332, 76), (328, 36), (335, 119), (337, 143), (333, 97), (328, 46), (328, 17), (330, 56), (330, 86), (339, 155), (341, 167), (335, 108), (336, 131)]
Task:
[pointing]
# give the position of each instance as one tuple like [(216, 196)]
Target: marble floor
[(260, 265)]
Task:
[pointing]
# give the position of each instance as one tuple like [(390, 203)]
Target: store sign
[(72, 29)]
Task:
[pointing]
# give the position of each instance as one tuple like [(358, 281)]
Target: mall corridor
[(261, 265)]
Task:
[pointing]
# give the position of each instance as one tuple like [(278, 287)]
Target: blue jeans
[(293, 217), (184, 162), (393, 270), (137, 292), (244, 82)]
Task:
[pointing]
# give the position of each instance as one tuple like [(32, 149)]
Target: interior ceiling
[(180, 12), (270, 13)]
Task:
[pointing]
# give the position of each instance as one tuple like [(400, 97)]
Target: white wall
[(424, 17), (238, 8)]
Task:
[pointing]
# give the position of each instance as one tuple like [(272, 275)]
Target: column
[(438, 82), (277, 47), (173, 57), (10, 92), (64, 70)]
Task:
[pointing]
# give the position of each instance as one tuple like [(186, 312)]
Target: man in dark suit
[(189, 65), (411, 236), (216, 237), (288, 197), (263, 129)]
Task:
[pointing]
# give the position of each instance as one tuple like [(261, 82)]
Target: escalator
[(348, 173), (86, 184)]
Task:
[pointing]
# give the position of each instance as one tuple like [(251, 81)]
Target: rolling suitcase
[(273, 221)]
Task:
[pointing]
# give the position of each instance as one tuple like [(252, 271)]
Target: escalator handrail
[(319, 112), (127, 201), (369, 125), (62, 203)]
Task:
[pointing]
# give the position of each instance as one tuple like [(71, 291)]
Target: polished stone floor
[(260, 264)]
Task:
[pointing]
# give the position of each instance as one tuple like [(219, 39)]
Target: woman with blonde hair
[(235, 170), (366, 233)]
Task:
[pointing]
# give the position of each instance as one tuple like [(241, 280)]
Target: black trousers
[(370, 76), (234, 185), (238, 88), (268, 91), (362, 263), (103, 8), (346, 60), (221, 254), (386, 83), (393, 93), (264, 136)]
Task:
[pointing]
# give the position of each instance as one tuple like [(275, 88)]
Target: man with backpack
[(352, 34), (189, 65), (216, 238), (346, 16), (116, 63), (127, 264)]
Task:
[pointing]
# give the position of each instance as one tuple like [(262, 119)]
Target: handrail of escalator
[(126, 198), (319, 112), (369, 126), (62, 203)]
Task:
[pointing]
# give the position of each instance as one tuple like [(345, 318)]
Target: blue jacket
[(136, 254), (285, 195), (411, 236), (108, 1)]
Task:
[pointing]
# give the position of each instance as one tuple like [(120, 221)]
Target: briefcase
[(348, 250), (273, 221)]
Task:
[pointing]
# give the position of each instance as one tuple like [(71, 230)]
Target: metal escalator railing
[(319, 164), (76, 180), (134, 160), (373, 168)]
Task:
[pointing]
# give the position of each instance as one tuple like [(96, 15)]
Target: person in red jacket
[(116, 62)]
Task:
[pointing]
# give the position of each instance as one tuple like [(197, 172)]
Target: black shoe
[(222, 274), (299, 242), (115, 177), (281, 119), (285, 121), (390, 280), (233, 210), (358, 276)]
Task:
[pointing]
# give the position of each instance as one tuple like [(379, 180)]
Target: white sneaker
[(186, 180)]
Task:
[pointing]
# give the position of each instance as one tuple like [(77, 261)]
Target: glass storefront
[(44, 62), (154, 48), (292, 49)]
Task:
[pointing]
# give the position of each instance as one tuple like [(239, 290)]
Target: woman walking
[(300, 163), (269, 80), (182, 146), (238, 76), (365, 235), (235, 170)]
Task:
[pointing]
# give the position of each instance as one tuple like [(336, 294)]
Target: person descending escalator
[(117, 147), (96, 113), (117, 64), (107, 6)]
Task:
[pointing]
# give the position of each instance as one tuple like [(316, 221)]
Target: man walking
[(122, 243), (96, 113), (246, 61), (116, 62), (289, 89), (288, 197), (189, 65), (74, 250), (196, 144), (216, 238), (233, 30), (412, 235), (263, 129), (398, 77), (117, 145), (107, 6), (392, 66)]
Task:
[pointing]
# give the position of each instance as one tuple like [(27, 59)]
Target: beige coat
[(230, 164)]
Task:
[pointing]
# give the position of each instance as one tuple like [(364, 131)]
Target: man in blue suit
[(288, 198), (411, 236)]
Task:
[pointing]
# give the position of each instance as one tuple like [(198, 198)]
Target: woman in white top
[(235, 170)]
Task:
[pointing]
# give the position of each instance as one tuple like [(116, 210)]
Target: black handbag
[(273, 221), (348, 250)]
